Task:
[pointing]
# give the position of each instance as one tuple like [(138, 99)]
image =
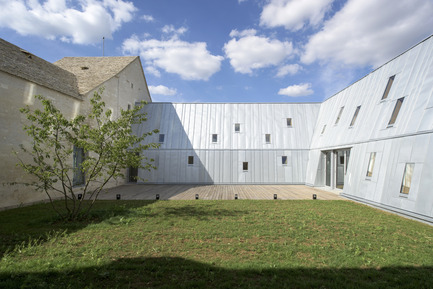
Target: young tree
[(109, 148)]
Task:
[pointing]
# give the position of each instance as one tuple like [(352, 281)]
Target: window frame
[(388, 87), (395, 112), (237, 127), (407, 179), (190, 160), (214, 138), (245, 166), (161, 135), (339, 115), (355, 116), (370, 166)]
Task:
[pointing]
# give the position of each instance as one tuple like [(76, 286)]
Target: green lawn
[(216, 244)]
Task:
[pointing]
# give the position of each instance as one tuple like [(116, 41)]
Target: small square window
[(284, 160), (289, 122), (388, 87), (268, 138), (395, 112), (214, 138), (371, 164), (161, 137), (245, 166), (407, 179), (355, 115), (190, 160), (237, 127)]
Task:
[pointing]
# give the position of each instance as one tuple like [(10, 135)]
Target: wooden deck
[(217, 192)]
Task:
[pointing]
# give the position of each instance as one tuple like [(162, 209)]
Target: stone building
[(69, 83)]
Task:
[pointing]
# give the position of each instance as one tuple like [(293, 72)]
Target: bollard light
[(157, 196), (275, 196), (196, 196), (314, 196), (236, 196), (118, 197), (80, 196)]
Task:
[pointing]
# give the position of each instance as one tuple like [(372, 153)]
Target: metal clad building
[(230, 142), (373, 140)]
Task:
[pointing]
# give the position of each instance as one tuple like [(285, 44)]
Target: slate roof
[(93, 71), (21, 63)]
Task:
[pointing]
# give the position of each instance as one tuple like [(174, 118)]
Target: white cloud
[(152, 70), (62, 19), (169, 29), (148, 18), (191, 61), (162, 90), (254, 52), (294, 14), (297, 90), (370, 32), (291, 69)]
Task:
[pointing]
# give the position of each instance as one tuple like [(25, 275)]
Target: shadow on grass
[(37, 223), (182, 273), (203, 212)]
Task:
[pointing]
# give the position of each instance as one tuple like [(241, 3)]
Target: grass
[(215, 244)]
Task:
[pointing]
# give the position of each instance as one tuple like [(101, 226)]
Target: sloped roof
[(21, 63), (93, 71)]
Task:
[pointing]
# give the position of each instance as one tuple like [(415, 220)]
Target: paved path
[(217, 192)]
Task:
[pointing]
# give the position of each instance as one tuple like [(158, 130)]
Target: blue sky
[(226, 50)]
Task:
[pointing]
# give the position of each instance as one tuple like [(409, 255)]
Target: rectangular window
[(323, 129), (388, 87), (396, 111), (268, 138), (161, 138), (245, 166), (214, 138), (237, 127), (355, 116), (78, 159), (129, 106), (371, 164), (407, 179), (339, 115), (190, 160), (289, 122), (284, 160)]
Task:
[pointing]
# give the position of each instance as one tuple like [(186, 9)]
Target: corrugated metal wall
[(188, 130)]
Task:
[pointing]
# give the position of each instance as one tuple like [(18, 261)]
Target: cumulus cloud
[(191, 61), (294, 14), (169, 29), (291, 69), (162, 90), (80, 22), (370, 32), (148, 18), (251, 52), (297, 90)]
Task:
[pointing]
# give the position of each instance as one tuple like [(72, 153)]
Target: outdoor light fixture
[(314, 196), (275, 196), (196, 196), (157, 196), (118, 197), (80, 196), (236, 196)]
